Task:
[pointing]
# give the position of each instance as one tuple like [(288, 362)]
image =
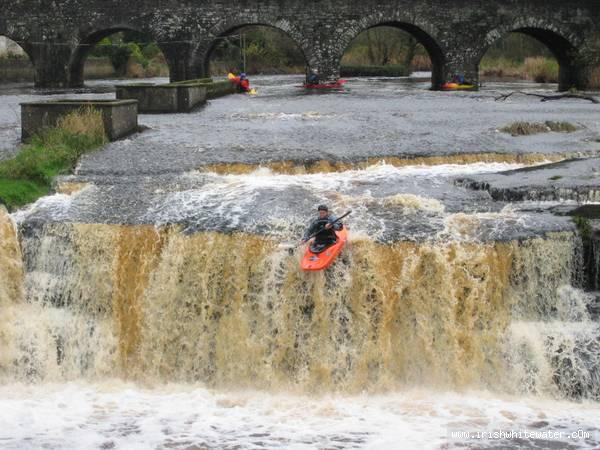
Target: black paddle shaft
[(323, 229)]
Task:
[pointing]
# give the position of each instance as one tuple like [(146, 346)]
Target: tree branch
[(548, 98)]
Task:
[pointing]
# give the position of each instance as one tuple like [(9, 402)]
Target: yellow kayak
[(456, 86), (236, 80)]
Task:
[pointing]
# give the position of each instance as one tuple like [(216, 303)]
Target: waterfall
[(233, 310)]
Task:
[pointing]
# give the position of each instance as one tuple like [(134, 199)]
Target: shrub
[(136, 55), (151, 51), (541, 70), (584, 227)]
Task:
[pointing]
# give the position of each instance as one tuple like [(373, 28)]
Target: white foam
[(125, 416), (231, 196)]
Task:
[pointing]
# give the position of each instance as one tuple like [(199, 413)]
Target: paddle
[(291, 249)]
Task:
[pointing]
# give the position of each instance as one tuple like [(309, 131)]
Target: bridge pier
[(179, 59), (586, 61), (323, 57), (327, 70), (458, 63), (574, 75), (52, 64)]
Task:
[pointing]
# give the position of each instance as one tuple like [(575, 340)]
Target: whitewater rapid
[(119, 415)]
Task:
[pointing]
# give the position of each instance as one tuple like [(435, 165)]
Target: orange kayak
[(313, 262)]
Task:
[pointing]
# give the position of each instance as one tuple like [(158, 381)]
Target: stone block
[(120, 116), (151, 98)]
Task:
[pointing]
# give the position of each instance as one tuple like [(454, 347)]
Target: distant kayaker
[(325, 222), (241, 82), (458, 79), (244, 83), (313, 78)]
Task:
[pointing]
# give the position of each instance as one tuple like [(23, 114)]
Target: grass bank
[(539, 69), (29, 175)]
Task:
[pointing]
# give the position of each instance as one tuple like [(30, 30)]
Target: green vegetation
[(132, 56), (521, 57), (518, 47), (561, 127), (529, 128), (382, 51), (29, 175), (537, 68), (555, 177), (267, 50), (584, 226), (384, 47)]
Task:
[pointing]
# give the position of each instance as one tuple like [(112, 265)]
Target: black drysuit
[(326, 237)]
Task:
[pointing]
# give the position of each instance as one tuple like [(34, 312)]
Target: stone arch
[(424, 32), (23, 44), (85, 45), (206, 45), (27, 68), (561, 42)]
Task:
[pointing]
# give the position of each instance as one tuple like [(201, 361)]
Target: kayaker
[(313, 78), (458, 79), (244, 83), (327, 223)]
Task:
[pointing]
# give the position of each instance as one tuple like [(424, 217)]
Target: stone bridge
[(57, 35)]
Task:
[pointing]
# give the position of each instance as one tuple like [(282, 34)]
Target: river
[(156, 302)]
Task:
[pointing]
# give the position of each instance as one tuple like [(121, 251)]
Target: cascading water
[(161, 303), (172, 303), (155, 304)]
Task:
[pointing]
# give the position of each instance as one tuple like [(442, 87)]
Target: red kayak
[(338, 84), (314, 262)]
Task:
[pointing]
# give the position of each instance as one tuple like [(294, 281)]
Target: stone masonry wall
[(58, 35)]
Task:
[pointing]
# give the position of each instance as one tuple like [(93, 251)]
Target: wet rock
[(576, 179), (591, 212)]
